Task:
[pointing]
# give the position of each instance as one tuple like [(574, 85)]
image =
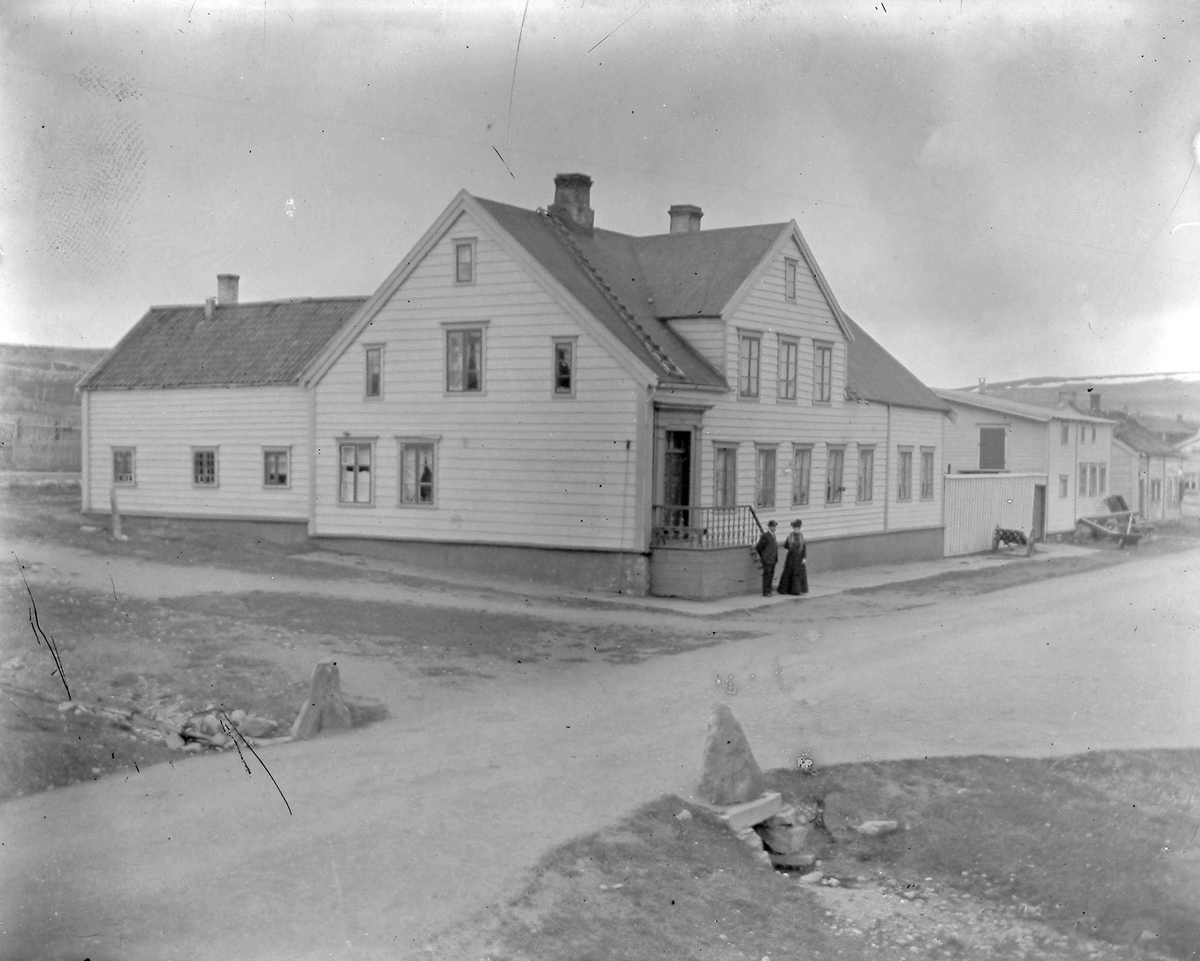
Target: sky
[(993, 190)]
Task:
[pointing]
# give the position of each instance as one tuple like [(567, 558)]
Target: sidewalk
[(824, 584)]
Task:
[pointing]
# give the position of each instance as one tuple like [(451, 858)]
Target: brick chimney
[(227, 289), (685, 218), (572, 199), (1095, 400), (982, 385)]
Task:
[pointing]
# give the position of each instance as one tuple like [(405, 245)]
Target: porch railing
[(704, 527)]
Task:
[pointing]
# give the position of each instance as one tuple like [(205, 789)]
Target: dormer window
[(464, 261), (789, 279)]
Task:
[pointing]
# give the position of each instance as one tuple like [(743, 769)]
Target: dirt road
[(401, 828)]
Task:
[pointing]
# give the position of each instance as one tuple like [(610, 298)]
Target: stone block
[(257, 727), (741, 816), (874, 829), (324, 710), (794, 862), (730, 774), (784, 840)]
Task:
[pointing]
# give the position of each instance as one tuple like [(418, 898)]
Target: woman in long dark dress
[(794, 579)]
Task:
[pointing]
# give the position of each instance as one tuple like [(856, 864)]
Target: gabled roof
[(257, 344), (1131, 432), (875, 375), (1015, 408)]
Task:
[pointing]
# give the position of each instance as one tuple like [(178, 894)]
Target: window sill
[(357, 506), (464, 393), (404, 505), (277, 487), (748, 398)]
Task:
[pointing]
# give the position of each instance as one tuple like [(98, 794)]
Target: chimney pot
[(227, 289), (210, 308), (1095, 400), (572, 201), (982, 384), (685, 218)]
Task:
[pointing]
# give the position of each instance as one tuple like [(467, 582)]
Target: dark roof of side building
[(873, 374), (256, 344)]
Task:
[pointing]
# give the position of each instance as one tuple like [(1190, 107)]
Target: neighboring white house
[(1147, 471), (1189, 451), (529, 394), (1063, 455)]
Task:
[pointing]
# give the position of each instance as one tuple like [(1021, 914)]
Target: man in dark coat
[(767, 550)]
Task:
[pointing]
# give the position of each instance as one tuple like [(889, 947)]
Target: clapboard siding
[(1025, 440), (164, 426), (916, 429), (515, 464), (706, 334), (976, 504)]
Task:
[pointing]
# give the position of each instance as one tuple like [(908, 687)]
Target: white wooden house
[(1147, 471), (529, 394), (1189, 498), (1049, 466)]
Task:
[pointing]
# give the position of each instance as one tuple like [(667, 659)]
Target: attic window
[(789, 279), (464, 261)]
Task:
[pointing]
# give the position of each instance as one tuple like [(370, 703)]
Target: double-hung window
[(355, 459), (417, 472), (275, 467), (789, 279), (764, 478), (926, 473), (991, 448), (464, 261), (725, 475), (789, 352), (1064, 485), (1103, 479), (374, 372), (1064, 436), (801, 475), (204, 466), (822, 372), (904, 475), (1083, 480), (123, 465), (866, 474), (749, 356), (834, 465), (464, 360), (564, 367)]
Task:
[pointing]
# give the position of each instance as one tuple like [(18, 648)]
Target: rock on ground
[(730, 774)]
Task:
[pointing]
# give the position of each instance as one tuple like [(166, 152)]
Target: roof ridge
[(261, 303), (610, 295)]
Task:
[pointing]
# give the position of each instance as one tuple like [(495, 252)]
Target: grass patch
[(1096, 856)]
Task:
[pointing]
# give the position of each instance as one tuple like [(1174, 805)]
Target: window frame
[(216, 467), (791, 268), (762, 453), (822, 372), (1064, 486), (1102, 485), (1081, 489), (269, 452), (375, 350), (746, 380), (463, 329), (802, 471), (904, 473), (1065, 434), (787, 369), (833, 492), (116, 475), (357, 443), (928, 455), (865, 492), (725, 474), (571, 343), (415, 444), (469, 244)]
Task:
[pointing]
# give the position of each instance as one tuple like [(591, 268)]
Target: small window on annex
[(789, 352), (1065, 433), (464, 360), (822, 372), (1064, 485), (926, 474), (789, 278), (801, 475), (833, 475), (724, 476), (464, 261), (417, 473), (764, 477), (123, 465), (275, 467), (355, 461), (749, 352), (374, 372), (904, 475), (204, 466), (564, 367)]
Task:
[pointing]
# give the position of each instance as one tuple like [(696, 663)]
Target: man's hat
[(771, 524)]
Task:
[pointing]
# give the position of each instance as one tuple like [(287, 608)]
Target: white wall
[(164, 426), (515, 464)]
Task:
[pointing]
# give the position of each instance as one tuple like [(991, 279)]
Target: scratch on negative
[(505, 162), (512, 89), (619, 26)]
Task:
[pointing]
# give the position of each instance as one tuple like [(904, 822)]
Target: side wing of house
[(980, 439), (219, 453), (497, 416), (915, 487), (1189, 452)]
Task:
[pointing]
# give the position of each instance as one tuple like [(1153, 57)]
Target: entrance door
[(1039, 511), (677, 476)]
